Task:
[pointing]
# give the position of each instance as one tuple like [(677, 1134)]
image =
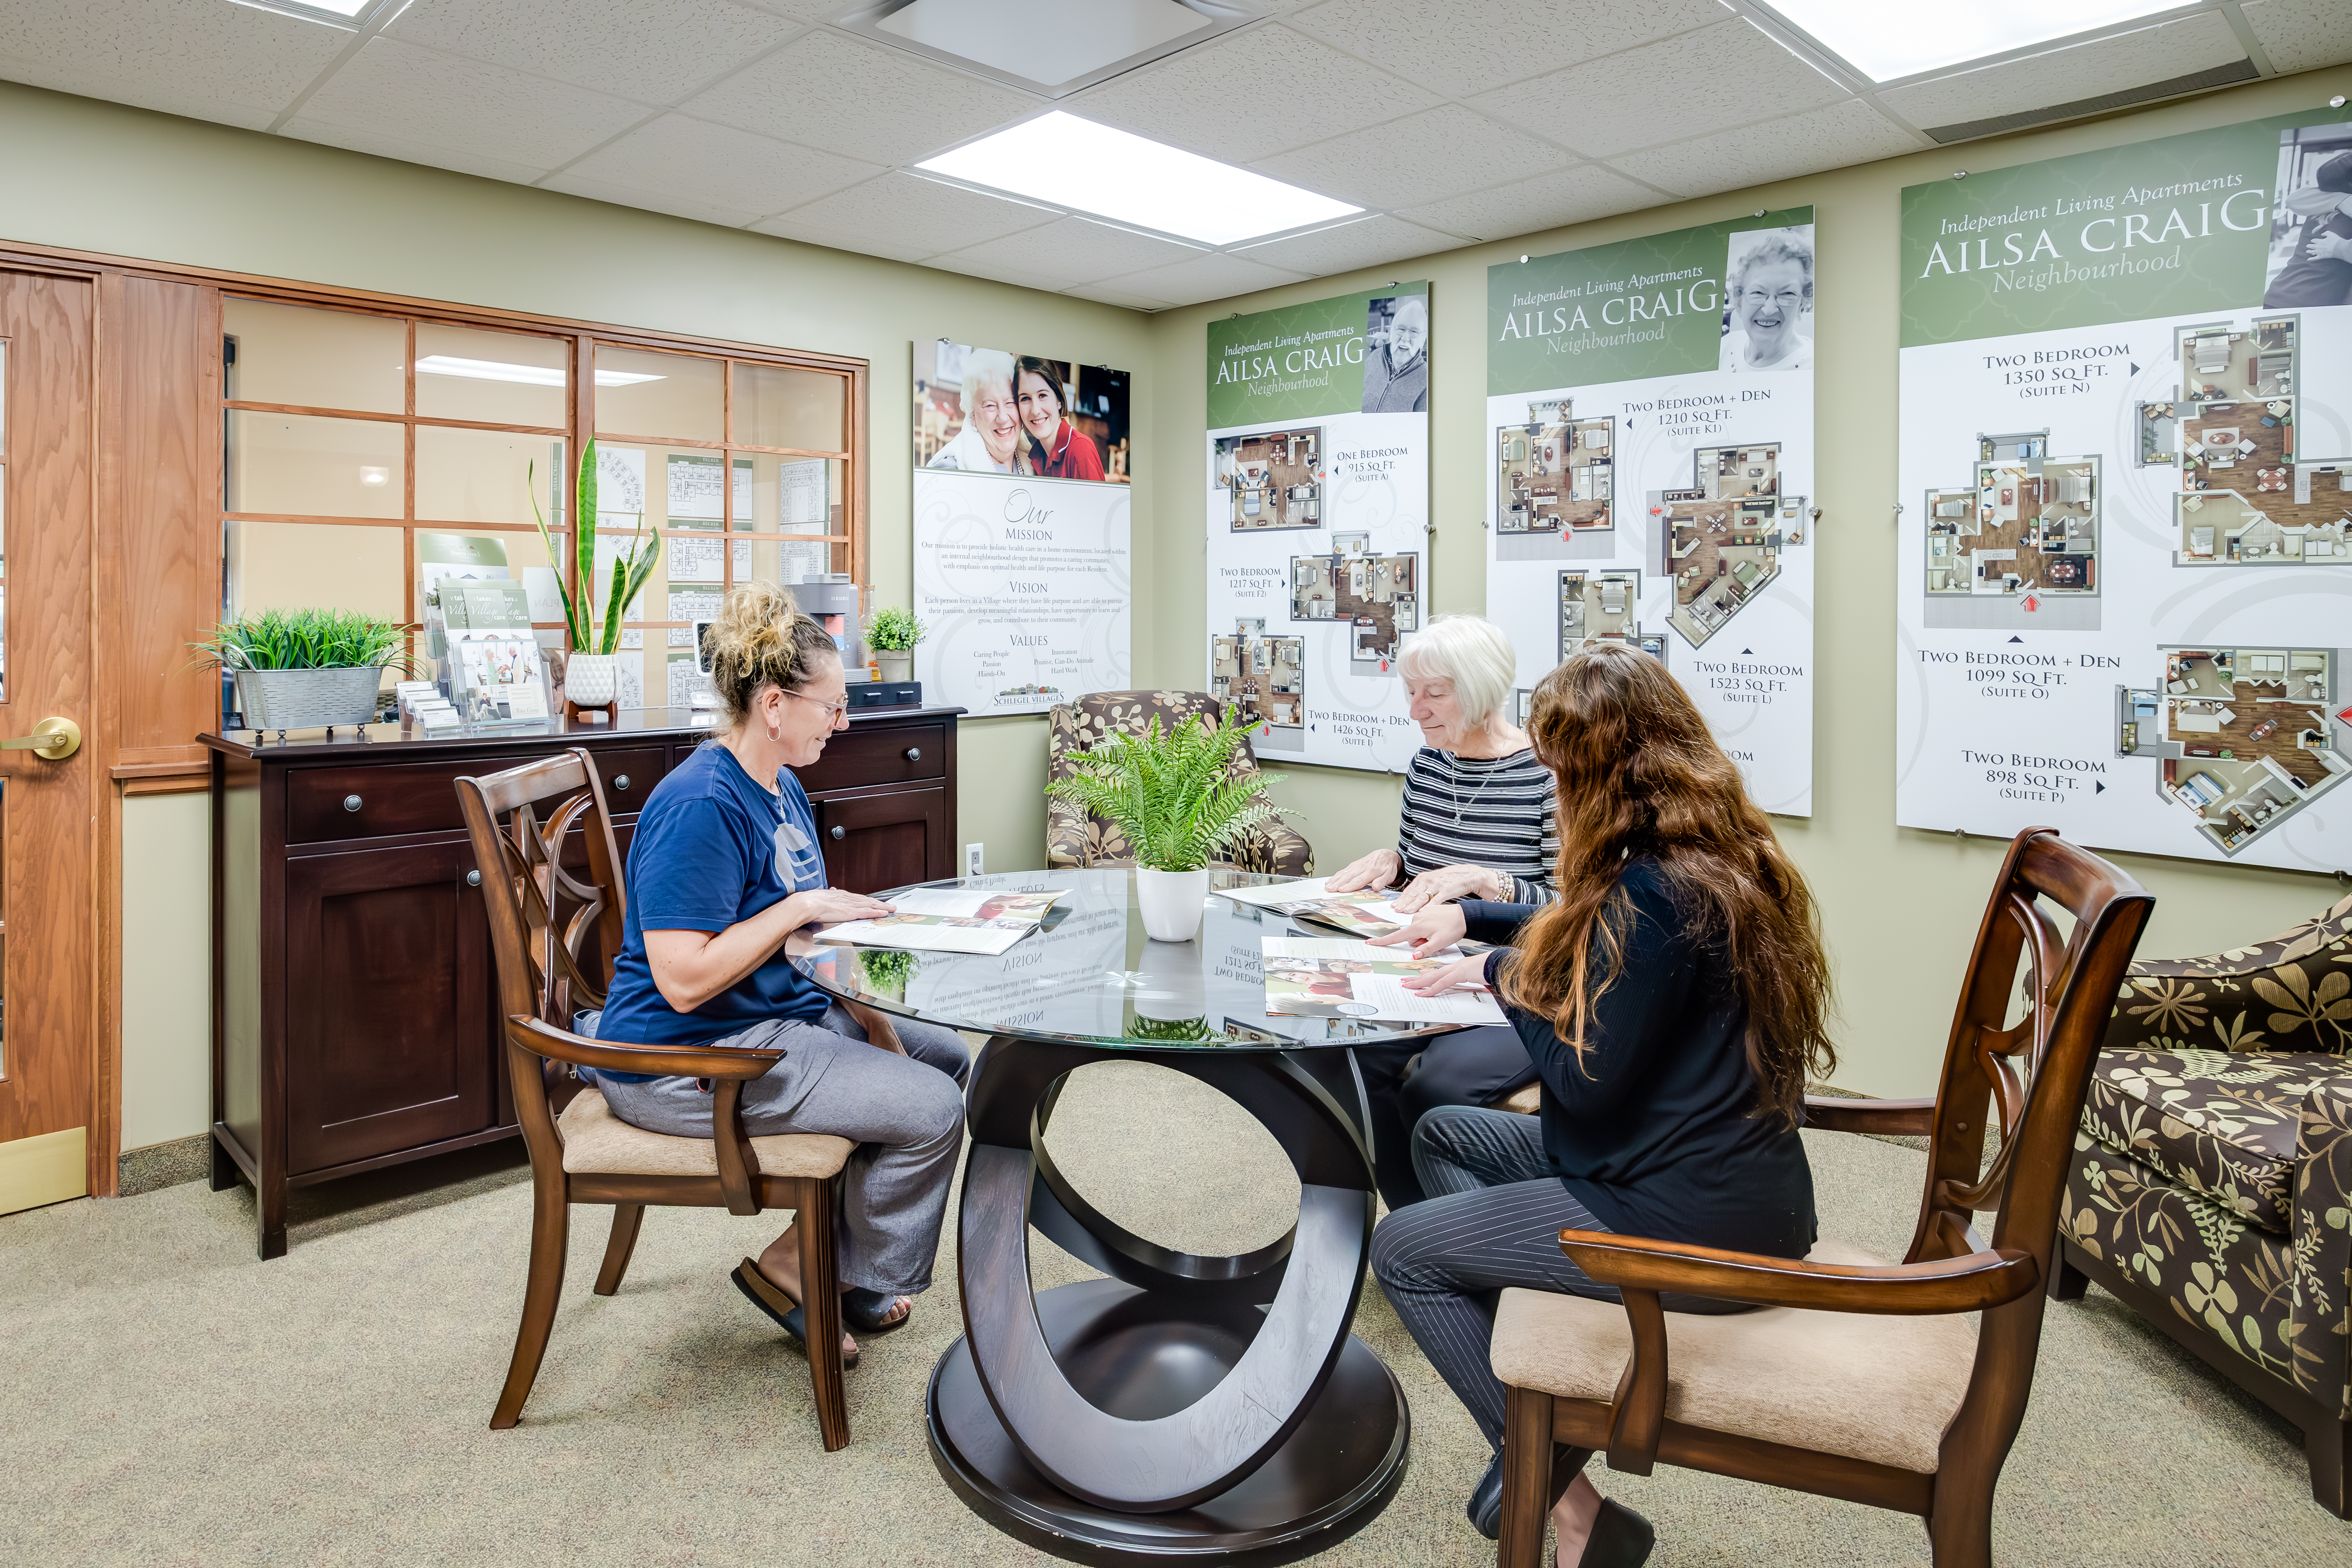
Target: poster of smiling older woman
[(1019, 495), (1651, 405)]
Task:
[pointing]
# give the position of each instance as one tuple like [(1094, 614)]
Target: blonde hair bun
[(762, 638)]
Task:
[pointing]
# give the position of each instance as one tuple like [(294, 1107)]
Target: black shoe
[(1485, 1505), (1620, 1539)]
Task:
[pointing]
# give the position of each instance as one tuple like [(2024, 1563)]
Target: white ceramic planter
[(592, 680), (896, 664), (1172, 902)]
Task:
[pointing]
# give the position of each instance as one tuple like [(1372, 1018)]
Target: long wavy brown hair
[(1639, 776)]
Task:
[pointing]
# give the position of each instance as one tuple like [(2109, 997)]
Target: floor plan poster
[(1318, 521), (2124, 605), (1650, 416)]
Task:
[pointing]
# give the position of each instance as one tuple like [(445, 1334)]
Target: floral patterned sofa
[(2212, 1183), (1075, 838)]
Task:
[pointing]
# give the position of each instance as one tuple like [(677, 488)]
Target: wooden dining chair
[(1860, 1379), (541, 913)]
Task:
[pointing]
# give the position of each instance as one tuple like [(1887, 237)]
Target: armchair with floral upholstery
[(1075, 838), (2212, 1183)]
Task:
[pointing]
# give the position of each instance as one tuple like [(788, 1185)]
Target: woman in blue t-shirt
[(723, 867)]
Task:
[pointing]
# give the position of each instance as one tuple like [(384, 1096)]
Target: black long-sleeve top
[(1652, 1132)]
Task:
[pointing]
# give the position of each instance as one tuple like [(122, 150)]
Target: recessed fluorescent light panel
[(1091, 168), (1052, 47), (1887, 42), (529, 374), (335, 12)]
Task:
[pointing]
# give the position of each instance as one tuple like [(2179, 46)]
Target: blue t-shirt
[(713, 849)]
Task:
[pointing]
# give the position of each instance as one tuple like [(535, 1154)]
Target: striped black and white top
[(1496, 812)]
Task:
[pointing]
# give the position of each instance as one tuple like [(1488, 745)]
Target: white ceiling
[(1451, 121)]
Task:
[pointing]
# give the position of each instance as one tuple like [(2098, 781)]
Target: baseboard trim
[(161, 1165)]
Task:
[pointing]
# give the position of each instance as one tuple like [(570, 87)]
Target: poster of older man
[(1396, 355)]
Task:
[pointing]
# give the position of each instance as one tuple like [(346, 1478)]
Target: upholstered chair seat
[(1876, 1388), (596, 1141), (1075, 837)]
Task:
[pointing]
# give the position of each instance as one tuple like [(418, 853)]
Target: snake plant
[(630, 572)]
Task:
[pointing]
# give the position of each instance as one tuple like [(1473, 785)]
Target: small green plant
[(1169, 791), (630, 572), (1142, 1028), (893, 630), (306, 639), (886, 970)]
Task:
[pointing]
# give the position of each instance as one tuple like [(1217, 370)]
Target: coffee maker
[(831, 601)]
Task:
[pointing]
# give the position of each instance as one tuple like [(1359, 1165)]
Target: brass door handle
[(55, 739)]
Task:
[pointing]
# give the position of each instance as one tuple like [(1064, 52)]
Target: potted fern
[(892, 633), (301, 669), (1170, 792), (591, 673)]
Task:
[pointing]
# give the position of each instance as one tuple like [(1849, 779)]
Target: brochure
[(1366, 913), (1320, 977), (499, 679), (951, 919)]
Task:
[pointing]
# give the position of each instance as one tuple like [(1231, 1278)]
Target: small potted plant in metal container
[(892, 633), (1171, 792), (305, 670), (592, 672)]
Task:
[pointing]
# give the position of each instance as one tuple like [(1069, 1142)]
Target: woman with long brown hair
[(1673, 1001)]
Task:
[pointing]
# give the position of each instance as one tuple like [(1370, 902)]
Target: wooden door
[(876, 841), (49, 809), (388, 1038)]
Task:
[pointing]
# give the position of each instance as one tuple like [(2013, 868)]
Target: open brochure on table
[(1362, 914), (951, 919), (1326, 977)]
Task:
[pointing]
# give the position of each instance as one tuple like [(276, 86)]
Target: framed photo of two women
[(986, 410)]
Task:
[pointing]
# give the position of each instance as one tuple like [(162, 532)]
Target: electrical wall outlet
[(975, 859)]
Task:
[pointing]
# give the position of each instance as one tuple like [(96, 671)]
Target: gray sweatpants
[(905, 1114)]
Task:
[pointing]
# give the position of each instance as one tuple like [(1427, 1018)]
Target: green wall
[(1901, 906)]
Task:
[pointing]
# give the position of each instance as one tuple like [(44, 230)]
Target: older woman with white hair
[(1477, 821), (991, 439)]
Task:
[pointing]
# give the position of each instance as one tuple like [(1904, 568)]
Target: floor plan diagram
[(1273, 477), (2027, 528), (1723, 536), (1378, 595), (2245, 500), (2243, 737), (1553, 472), (1604, 606), (1265, 675)]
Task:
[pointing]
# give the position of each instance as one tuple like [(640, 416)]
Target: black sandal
[(864, 1311), (762, 1293)]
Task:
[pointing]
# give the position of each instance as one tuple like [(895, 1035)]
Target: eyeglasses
[(835, 708), (1787, 299)]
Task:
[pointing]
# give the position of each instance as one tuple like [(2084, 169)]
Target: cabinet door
[(877, 841), (388, 1004)]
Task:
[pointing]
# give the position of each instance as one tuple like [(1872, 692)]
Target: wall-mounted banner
[(2124, 599), (1319, 522), (1650, 410), (1020, 528)]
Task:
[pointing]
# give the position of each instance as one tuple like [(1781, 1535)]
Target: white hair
[(1473, 653), (984, 365)]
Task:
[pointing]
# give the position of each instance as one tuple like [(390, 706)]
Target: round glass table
[(1183, 1406)]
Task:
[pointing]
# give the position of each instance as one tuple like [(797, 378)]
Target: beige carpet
[(172, 1400)]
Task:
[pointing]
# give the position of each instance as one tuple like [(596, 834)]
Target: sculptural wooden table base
[(1193, 1407)]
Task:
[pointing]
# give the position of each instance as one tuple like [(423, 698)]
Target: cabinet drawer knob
[(351, 802), (473, 878), (620, 780), (914, 754), (840, 833)]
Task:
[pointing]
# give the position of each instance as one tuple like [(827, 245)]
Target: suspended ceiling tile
[(719, 167), (1250, 94), (202, 58), (1435, 43), (2067, 76), (905, 216), (671, 202), (803, 10), (654, 54), (1105, 294), (1364, 242), (1688, 85), (1417, 159), (404, 93), (858, 99), (1819, 139), (995, 272), (1529, 207), (1072, 251), (2301, 35), (1211, 277), (433, 155)]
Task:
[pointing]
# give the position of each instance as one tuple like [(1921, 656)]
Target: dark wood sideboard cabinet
[(353, 1001)]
